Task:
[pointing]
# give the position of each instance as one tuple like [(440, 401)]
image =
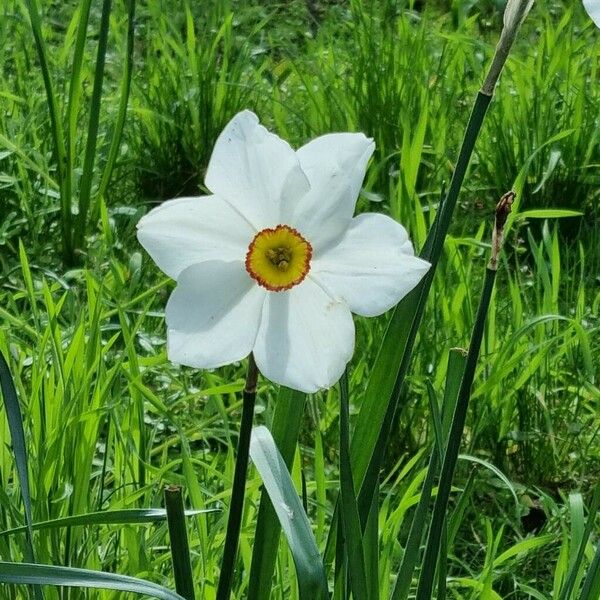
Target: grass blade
[(575, 565), (312, 582), (26, 573), (349, 509), (180, 549), (591, 585), (17, 434), (456, 362), (285, 429), (126, 516), (123, 102), (92, 133), (75, 89), (55, 127)]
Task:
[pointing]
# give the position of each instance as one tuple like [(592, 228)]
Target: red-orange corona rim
[(278, 258)]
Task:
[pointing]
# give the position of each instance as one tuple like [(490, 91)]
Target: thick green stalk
[(180, 549), (456, 363), (415, 303), (236, 507), (374, 423), (427, 578), (450, 457)]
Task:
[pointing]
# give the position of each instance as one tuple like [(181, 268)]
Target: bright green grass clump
[(109, 421)]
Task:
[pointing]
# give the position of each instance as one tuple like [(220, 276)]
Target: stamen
[(278, 258)]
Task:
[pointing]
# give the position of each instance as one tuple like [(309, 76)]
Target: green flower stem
[(418, 299), (450, 457), (239, 484), (180, 549)]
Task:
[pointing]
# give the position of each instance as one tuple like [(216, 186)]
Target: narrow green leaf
[(591, 585), (123, 102), (285, 428), (27, 573), (127, 516), (382, 395), (312, 582), (56, 127), (17, 434), (547, 213), (75, 90), (575, 564), (349, 509), (92, 132)]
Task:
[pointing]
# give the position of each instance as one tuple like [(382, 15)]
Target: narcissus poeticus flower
[(273, 262), (593, 9)]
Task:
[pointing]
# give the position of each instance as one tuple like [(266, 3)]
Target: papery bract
[(273, 262)]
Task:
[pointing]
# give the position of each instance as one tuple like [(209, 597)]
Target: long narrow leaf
[(575, 565), (92, 133), (55, 126), (382, 397), (17, 434), (26, 573), (312, 582), (123, 101), (180, 549), (591, 585), (349, 509), (75, 90), (285, 429), (127, 516)]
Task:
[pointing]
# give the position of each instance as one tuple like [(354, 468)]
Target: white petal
[(186, 231), (213, 315), (305, 339), (593, 9), (256, 171), (373, 266), (335, 165)]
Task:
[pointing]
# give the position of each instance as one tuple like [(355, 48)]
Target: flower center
[(278, 258)]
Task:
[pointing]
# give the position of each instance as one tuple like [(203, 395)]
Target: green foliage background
[(109, 421)]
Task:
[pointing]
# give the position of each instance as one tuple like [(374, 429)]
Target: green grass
[(109, 421)]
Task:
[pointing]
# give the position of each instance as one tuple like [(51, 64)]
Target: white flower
[(273, 262), (593, 9)]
